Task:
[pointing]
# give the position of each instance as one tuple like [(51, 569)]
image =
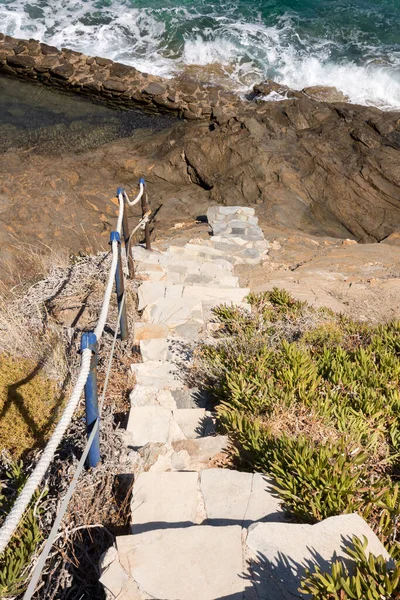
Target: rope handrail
[(64, 505), (138, 197), (21, 504), (13, 519)]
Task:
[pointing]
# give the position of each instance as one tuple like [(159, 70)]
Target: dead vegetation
[(40, 328)]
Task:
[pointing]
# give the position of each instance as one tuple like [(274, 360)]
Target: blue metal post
[(89, 340), (120, 285)]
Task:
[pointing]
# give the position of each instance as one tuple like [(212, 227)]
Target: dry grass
[(28, 405), (299, 420), (40, 327)]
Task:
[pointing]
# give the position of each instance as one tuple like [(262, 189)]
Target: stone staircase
[(200, 532)]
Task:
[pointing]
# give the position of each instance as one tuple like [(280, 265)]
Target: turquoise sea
[(351, 44)]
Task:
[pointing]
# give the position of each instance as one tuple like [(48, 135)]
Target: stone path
[(198, 532)]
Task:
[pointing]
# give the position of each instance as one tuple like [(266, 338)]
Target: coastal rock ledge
[(313, 161), (113, 82)]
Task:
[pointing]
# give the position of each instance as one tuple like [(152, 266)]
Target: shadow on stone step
[(277, 579), (277, 517), (206, 427), (280, 578), (193, 398)]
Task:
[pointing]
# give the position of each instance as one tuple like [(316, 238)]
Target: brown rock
[(93, 86), (267, 87), (322, 93), (187, 86), (48, 62), (189, 115), (4, 54), (103, 62), (64, 71), (392, 239), (172, 96), (213, 97), (120, 70), (21, 61), (115, 85), (46, 49), (154, 89)]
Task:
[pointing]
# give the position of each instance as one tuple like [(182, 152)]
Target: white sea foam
[(246, 52)]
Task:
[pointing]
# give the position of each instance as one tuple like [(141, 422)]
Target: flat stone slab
[(154, 368), (191, 421), (216, 292), (148, 395), (282, 551), (149, 424), (143, 395), (149, 292), (139, 253), (164, 499), (154, 350), (171, 311), (160, 374), (214, 213), (193, 398), (196, 454), (192, 563), (188, 330), (238, 498), (149, 331)]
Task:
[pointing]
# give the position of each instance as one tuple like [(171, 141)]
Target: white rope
[(120, 213), (12, 521), (64, 505), (21, 504), (140, 225), (138, 197), (107, 294)]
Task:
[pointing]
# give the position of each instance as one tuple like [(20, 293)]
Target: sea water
[(353, 45)]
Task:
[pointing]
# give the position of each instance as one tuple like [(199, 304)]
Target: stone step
[(149, 395), (205, 562), (173, 312), (161, 374), (184, 563), (149, 331), (223, 295), (181, 455), (156, 424), (154, 350), (193, 398), (196, 260), (226, 497), (219, 212), (162, 500)]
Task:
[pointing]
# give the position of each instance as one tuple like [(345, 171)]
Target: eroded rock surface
[(323, 168)]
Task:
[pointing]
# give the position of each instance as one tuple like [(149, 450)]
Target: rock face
[(322, 167)]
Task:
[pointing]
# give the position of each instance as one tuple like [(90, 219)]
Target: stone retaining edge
[(117, 84)]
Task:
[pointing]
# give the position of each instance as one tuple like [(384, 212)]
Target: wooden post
[(127, 241), (145, 210)]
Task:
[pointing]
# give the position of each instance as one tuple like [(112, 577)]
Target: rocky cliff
[(311, 162)]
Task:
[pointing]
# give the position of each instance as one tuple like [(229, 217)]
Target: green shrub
[(312, 398), (372, 579), (15, 561)]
